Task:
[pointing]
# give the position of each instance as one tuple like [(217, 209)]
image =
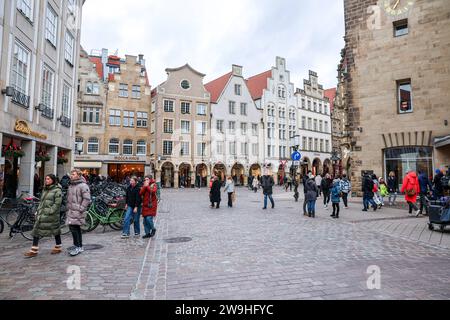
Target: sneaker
[(81, 249), (146, 236), (124, 236), (332, 215), (137, 234), (152, 233), (264, 208), (364, 210), (76, 251), (346, 207), (418, 213)]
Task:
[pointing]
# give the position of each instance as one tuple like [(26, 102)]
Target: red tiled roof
[(258, 83), (215, 87), (98, 65), (330, 94)]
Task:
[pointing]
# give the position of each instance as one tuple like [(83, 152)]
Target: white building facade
[(236, 128), (314, 123)]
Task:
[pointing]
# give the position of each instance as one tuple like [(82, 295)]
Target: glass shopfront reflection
[(401, 160)]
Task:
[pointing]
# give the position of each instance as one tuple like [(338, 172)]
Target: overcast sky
[(211, 35)]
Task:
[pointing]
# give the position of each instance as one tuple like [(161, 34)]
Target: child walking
[(336, 198)]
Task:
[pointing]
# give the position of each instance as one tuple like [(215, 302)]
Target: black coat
[(311, 190), (215, 191), (133, 199), (267, 183), (326, 185), (367, 187), (392, 184)]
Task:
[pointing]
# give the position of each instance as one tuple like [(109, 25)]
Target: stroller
[(439, 213)]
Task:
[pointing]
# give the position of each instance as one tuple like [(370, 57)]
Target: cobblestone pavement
[(242, 253)]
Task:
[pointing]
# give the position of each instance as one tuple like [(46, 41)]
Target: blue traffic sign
[(296, 156)]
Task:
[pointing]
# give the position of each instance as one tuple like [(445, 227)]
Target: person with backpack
[(346, 188), (325, 186), (149, 197), (267, 185), (335, 198), (367, 189), (411, 189)]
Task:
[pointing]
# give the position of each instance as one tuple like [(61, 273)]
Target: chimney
[(237, 70), (104, 62)]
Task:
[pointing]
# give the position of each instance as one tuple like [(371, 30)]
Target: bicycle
[(104, 213)]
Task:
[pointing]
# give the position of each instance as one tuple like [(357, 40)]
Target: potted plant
[(42, 156), (13, 151), (62, 158)]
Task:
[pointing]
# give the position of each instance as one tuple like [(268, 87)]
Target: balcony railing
[(20, 99), (48, 113), (65, 121)]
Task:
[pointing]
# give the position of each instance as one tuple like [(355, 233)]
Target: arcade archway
[(167, 175), (316, 166), (184, 180), (201, 175), (237, 173)]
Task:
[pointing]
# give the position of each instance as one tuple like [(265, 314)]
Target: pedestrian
[(367, 189), (383, 190), (267, 184), (376, 191), (411, 189), (318, 181), (425, 188), (346, 188), (305, 179), (438, 190), (311, 196), (37, 185), (255, 185), (336, 198), (288, 183), (133, 209), (78, 200), (326, 185), (392, 184), (149, 198), (48, 217), (214, 194), (229, 188)]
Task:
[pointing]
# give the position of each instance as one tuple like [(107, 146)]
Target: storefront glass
[(400, 160), (119, 172)]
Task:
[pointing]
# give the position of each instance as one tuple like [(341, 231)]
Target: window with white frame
[(326, 126), (271, 111), (68, 47), (92, 88), (315, 106), (309, 104), (219, 126), (237, 89), (152, 126), (142, 119), (303, 103), (185, 107), (184, 148), (128, 119), (66, 100), (243, 109), (310, 144), (168, 125), (321, 145), (141, 148), (325, 109), (26, 7), (303, 122), (152, 147), (232, 107), (51, 25), (244, 148), (79, 141), (201, 128), (327, 146), (271, 130), (91, 115), (153, 106), (113, 146), (114, 117), (243, 129), (281, 92), (282, 113), (167, 148), (315, 125), (231, 127), (320, 107), (47, 88), (321, 125), (316, 144), (168, 105), (20, 68), (136, 92), (255, 129), (185, 127), (232, 146), (123, 90), (309, 124), (127, 147), (220, 147), (255, 149), (304, 143), (201, 149), (93, 146), (201, 109)]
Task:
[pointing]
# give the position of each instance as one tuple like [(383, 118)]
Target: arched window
[(281, 92), (141, 148), (113, 146), (79, 143), (128, 147), (93, 146)]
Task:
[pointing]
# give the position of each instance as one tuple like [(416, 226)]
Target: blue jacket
[(424, 182), (335, 193)]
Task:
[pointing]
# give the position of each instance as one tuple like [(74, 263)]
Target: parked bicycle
[(106, 211)]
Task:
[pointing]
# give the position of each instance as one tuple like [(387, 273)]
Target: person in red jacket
[(411, 189), (149, 205)]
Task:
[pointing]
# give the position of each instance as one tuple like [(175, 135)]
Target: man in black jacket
[(367, 188), (133, 208), (267, 184)]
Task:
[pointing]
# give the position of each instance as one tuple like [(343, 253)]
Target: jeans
[(394, 195), (76, 234), (326, 197), (368, 200), (127, 221), (312, 207), (305, 204), (271, 200), (148, 224), (344, 198)]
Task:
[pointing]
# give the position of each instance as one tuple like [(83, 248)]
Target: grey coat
[(78, 200), (311, 190)]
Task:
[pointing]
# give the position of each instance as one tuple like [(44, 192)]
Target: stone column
[(176, 179), (158, 176), (245, 180), (50, 167), (192, 179), (104, 170), (27, 163)]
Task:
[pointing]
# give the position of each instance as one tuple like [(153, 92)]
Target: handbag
[(411, 192)]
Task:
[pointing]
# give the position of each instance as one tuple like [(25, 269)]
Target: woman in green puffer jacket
[(48, 217)]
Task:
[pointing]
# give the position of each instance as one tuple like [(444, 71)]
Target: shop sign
[(22, 127), (124, 158)]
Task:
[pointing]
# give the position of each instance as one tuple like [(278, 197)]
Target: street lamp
[(295, 142)]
